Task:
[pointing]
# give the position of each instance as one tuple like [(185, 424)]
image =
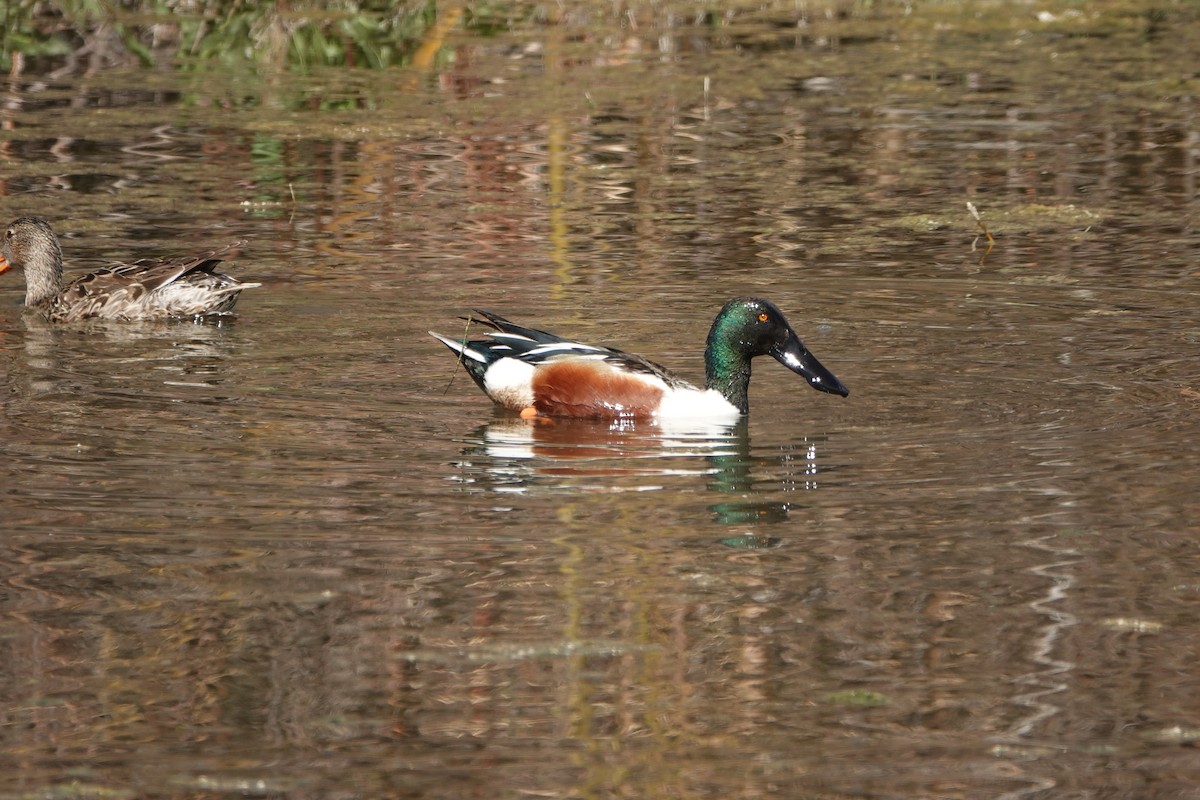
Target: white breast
[(509, 382), (709, 404)]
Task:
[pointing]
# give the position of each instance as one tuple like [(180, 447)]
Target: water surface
[(298, 555)]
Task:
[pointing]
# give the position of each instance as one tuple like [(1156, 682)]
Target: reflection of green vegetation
[(368, 33), (348, 33), (18, 35)]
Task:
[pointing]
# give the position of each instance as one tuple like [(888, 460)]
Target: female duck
[(149, 289), (535, 372)]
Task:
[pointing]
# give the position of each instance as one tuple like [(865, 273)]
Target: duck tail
[(473, 361)]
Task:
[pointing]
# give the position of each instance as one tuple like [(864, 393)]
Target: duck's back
[(150, 289)]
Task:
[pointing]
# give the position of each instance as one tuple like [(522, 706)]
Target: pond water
[(300, 554)]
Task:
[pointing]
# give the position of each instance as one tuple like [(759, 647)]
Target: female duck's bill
[(539, 373)]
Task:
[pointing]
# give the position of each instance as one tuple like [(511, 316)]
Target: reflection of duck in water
[(147, 289), (539, 373), (577, 440), (758, 484)]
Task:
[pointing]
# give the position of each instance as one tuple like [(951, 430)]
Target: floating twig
[(979, 221), (461, 354)]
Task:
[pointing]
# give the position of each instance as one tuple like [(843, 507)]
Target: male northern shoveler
[(149, 289), (534, 372)]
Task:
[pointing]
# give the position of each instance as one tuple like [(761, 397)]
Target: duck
[(540, 374), (147, 289)]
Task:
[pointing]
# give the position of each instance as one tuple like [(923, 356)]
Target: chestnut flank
[(591, 388)]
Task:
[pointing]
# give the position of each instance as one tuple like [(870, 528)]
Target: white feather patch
[(458, 347), (709, 404), (510, 383), (574, 349)]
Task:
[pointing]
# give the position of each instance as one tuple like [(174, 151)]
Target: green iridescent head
[(750, 326)]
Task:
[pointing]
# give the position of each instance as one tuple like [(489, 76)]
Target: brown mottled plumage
[(148, 289)]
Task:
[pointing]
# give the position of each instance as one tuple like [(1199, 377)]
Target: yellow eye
[(762, 317)]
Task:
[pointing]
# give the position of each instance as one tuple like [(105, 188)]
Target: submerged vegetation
[(89, 35), (93, 34)]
